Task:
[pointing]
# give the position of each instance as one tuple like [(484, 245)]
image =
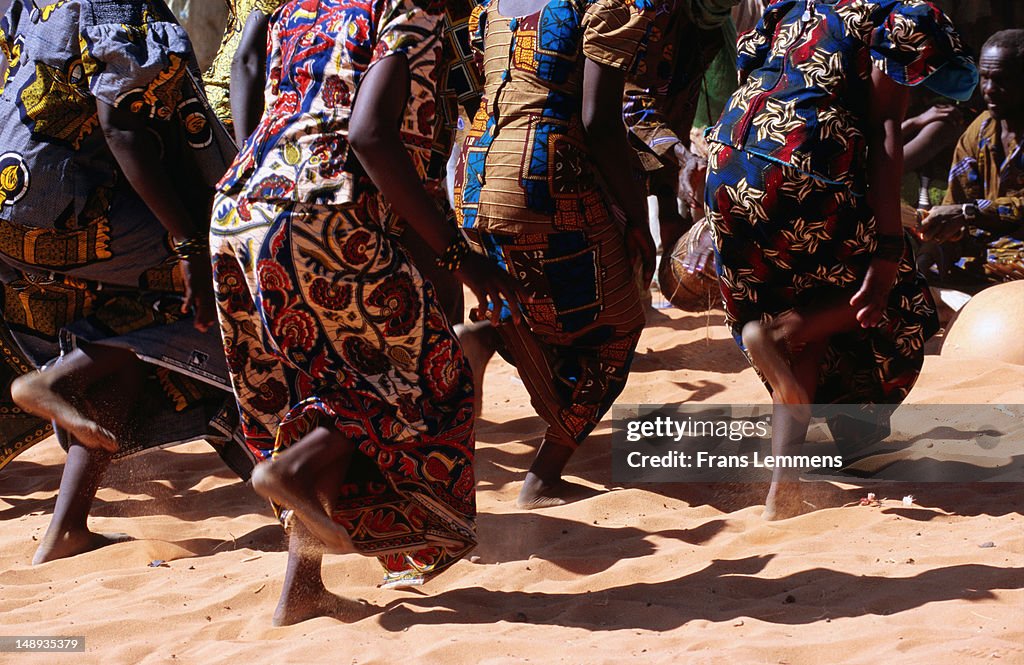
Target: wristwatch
[(969, 211)]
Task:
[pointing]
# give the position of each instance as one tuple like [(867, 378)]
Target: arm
[(887, 105), (375, 138), (138, 154), (248, 75), (1002, 216), (932, 131), (642, 113), (606, 136)]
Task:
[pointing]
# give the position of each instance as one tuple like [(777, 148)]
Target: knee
[(21, 388), (29, 389)]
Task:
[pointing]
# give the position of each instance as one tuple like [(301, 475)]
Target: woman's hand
[(491, 285), (693, 171), (199, 296), (873, 297)]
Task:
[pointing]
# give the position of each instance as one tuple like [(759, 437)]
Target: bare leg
[(794, 379), (304, 595), (772, 346), (56, 393), (303, 473), (479, 341), (769, 356), (671, 224), (38, 394), (543, 486), (68, 533), (789, 431)]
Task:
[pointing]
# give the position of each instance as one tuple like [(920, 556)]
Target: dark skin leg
[(789, 352), (68, 533), (57, 392), (306, 477), (302, 475), (304, 595), (543, 486), (789, 430), (122, 377), (479, 341)]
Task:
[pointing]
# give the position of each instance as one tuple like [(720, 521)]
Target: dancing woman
[(346, 372), (803, 194), (544, 187)]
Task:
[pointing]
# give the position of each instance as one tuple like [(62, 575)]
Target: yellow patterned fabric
[(526, 165), (82, 258), (218, 76)]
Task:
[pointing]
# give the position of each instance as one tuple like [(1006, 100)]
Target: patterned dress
[(527, 194), (661, 99), (218, 77), (459, 84), (324, 319), (787, 177), (81, 256), (996, 186)]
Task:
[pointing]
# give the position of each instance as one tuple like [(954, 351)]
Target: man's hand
[(943, 224)]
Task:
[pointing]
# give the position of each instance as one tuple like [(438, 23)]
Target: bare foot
[(270, 483), (770, 359), (477, 341), (34, 392), (536, 493), (304, 604), (71, 543), (785, 500)]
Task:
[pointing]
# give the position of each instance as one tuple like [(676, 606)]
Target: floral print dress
[(324, 318)]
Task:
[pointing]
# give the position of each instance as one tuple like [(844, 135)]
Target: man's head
[(1001, 66)]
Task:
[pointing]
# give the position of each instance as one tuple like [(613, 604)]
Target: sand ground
[(642, 573)]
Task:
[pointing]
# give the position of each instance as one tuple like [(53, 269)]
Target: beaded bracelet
[(191, 248), (889, 247), (457, 250)]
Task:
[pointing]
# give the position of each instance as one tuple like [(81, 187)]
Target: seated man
[(982, 218)]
